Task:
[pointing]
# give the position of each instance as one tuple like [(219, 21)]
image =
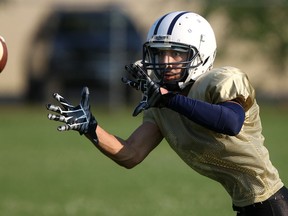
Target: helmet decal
[(158, 24), (170, 29)]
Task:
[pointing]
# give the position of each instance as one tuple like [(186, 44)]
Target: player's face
[(171, 62)]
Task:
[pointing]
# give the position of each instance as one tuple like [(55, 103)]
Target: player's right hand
[(78, 118)]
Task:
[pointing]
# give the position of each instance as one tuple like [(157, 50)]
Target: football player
[(209, 116)]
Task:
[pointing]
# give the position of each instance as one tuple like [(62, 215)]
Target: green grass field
[(47, 173)]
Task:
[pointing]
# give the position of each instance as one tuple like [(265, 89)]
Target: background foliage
[(264, 22)]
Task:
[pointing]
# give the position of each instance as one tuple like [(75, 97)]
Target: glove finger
[(85, 98), (134, 70), (131, 83), (130, 69), (59, 118), (64, 128), (66, 105), (54, 108), (75, 126), (68, 127)]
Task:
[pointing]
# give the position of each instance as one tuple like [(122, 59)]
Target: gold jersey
[(240, 163)]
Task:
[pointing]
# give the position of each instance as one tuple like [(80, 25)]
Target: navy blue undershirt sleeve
[(226, 117)]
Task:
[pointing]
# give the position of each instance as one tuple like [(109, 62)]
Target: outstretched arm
[(127, 153), (132, 151)]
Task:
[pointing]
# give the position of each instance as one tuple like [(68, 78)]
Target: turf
[(47, 173)]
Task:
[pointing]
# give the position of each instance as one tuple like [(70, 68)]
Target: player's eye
[(176, 53)]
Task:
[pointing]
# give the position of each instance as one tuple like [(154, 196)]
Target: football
[(3, 53)]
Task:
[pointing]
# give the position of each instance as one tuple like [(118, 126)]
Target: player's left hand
[(152, 94), (136, 71), (78, 118)]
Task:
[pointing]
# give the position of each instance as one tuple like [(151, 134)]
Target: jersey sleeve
[(224, 84)]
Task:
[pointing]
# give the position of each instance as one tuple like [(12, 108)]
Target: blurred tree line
[(262, 21)]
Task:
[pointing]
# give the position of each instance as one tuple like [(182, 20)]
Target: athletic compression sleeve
[(226, 117)]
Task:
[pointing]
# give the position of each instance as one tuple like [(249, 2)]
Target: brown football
[(3, 54)]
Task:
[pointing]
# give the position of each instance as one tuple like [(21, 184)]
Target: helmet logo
[(161, 38)]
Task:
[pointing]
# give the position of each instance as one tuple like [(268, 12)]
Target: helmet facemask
[(162, 72)]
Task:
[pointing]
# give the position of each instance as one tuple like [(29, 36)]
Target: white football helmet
[(184, 31)]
